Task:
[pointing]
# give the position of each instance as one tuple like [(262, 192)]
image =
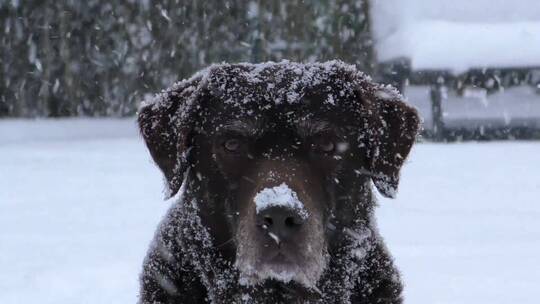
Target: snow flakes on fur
[(285, 82), (184, 255), (185, 245)]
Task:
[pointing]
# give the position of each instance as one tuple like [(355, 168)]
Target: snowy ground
[(80, 199)]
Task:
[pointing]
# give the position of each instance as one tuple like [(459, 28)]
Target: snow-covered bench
[(464, 48)]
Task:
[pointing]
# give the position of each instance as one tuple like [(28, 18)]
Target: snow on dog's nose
[(280, 196)]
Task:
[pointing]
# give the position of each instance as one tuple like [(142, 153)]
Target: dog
[(271, 166)]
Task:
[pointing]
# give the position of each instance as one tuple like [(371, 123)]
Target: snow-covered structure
[(485, 45), (458, 35)]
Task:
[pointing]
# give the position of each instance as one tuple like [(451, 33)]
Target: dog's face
[(272, 175), (280, 166)]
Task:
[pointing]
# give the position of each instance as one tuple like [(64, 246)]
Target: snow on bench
[(458, 35), (475, 49), (460, 46)]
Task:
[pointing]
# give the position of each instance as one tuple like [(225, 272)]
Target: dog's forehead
[(309, 116), (281, 93), (265, 84)]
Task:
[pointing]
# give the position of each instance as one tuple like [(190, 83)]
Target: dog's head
[(281, 154)]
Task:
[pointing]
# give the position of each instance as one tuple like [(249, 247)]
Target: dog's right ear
[(166, 124), (393, 129)]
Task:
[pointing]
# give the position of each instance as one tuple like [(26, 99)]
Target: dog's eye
[(232, 145), (325, 145)]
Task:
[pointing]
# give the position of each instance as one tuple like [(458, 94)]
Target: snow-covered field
[(80, 199)]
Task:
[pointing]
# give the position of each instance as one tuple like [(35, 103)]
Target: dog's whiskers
[(344, 198), (224, 243), (248, 179)]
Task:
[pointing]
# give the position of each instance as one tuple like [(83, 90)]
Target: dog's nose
[(280, 223)]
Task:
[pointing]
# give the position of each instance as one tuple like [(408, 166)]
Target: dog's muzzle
[(280, 223)]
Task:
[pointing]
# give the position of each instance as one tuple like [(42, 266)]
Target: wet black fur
[(192, 256)]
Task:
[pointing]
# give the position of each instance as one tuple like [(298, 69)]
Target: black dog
[(275, 162)]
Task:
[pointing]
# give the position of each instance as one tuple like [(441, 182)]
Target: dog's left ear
[(166, 124), (394, 127)]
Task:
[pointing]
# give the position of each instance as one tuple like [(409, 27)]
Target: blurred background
[(471, 67), (79, 194)]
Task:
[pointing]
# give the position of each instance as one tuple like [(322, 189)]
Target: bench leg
[(438, 93)]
